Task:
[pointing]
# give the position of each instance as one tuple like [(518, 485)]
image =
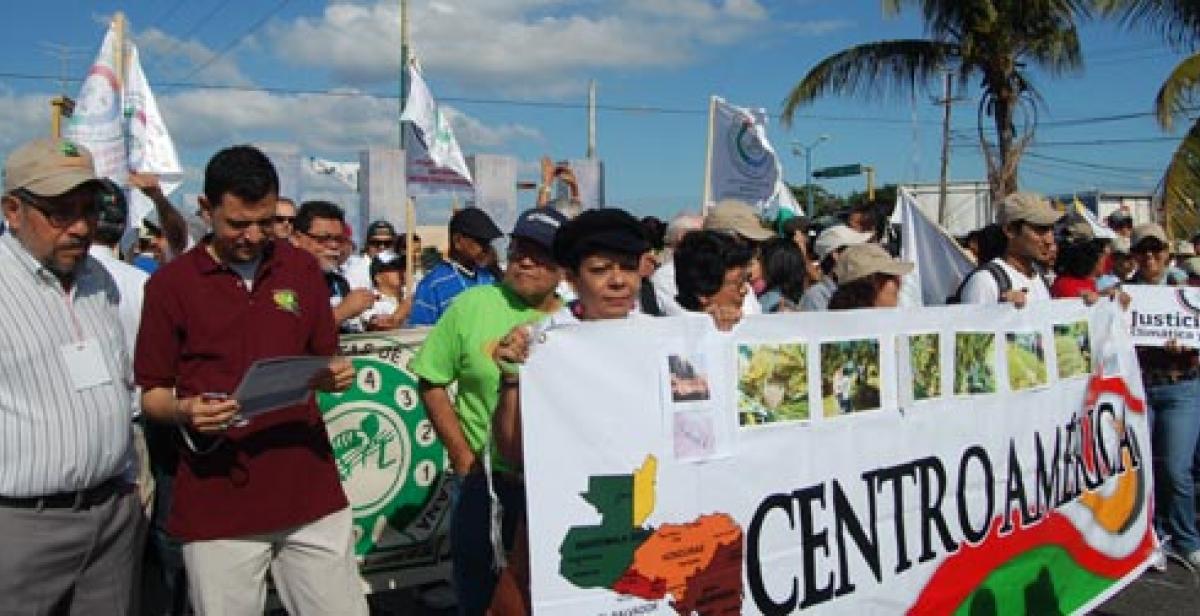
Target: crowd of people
[(108, 354)]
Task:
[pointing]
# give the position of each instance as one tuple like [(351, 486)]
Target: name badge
[(85, 363)]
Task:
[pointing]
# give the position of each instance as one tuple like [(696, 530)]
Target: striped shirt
[(440, 286), (54, 438)]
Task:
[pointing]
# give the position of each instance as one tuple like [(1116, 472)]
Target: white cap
[(836, 237)]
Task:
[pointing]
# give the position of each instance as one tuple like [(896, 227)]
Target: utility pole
[(61, 106), (410, 206), (799, 149), (591, 142), (943, 186)]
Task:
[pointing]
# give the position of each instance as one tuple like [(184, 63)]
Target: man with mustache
[(70, 519)]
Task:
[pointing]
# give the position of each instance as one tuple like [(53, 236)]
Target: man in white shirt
[(1028, 223), (131, 281)]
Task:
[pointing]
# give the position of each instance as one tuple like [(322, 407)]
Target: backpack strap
[(1000, 275)]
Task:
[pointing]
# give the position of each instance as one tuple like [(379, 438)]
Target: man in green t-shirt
[(458, 350)]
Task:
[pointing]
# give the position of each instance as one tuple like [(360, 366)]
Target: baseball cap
[(386, 261), (1120, 245), (862, 260), (380, 227), (1145, 232), (1191, 266), (1184, 248), (539, 225), (1027, 207), (1079, 230), (836, 237), (1120, 217), (603, 229), (475, 223), (739, 217), (48, 167)]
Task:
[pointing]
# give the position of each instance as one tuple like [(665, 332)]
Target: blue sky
[(663, 57)]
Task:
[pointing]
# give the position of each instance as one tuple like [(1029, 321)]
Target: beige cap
[(863, 260), (836, 237), (1191, 266), (1028, 207), (1184, 248), (48, 167), (1080, 230), (1147, 231), (1120, 245), (739, 217)]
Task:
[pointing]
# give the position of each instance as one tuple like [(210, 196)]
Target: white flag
[(98, 120), (346, 173), (431, 127), (151, 149), (744, 165), (940, 263)]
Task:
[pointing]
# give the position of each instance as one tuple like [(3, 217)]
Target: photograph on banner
[(850, 376), (1073, 345), (772, 383), (689, 378), (1026, 355), (974, 363), (925, 359), (694, 434)]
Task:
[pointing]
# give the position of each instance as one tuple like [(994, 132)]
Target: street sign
[(838, 172)]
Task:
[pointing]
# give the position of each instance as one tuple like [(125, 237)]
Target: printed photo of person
[(1073, 345), (688, 381), (1026, 360), (772, 383), (850, 376), (925, 357), (974, 363)]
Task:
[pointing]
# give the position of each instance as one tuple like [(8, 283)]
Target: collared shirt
[(53, 437), (440, 286), (131, 283), (201, 330)]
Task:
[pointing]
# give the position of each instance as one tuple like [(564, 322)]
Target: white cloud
[(173, 59), (22, 117), (516, 46), (318, 124)]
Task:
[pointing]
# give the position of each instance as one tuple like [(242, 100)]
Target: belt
[(81, 499), (1152, 378)]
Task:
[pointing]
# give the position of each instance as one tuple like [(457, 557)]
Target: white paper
[(85, 364), (276, 383)]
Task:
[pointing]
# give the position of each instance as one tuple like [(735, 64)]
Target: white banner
[(930, 460), (1158, 313), (433, 150), (744, 165), (151, 149), (346, 173), (98, 121), (940, 263)]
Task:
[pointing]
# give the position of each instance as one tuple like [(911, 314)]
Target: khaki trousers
[(313, 567)]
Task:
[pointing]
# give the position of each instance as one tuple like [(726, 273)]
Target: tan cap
[(48, 167), (1080, 230), (1120, 245), (1184, 248), (863, 260), (1028, 207), (739, 217), (836, 237), (1147, 231), (1191, 266)]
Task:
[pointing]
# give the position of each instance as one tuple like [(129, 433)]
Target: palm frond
[(1179, 92), (1179, 20), (871, 69), (1181, 186)]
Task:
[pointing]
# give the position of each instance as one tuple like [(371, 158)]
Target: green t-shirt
[(459, 350)]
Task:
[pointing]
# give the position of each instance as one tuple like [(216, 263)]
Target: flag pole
[(706, 192), (410, 207)]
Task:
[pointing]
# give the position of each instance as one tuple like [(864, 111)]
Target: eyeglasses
[(282, 219), (327, 238), (380, 243), (58, 218)]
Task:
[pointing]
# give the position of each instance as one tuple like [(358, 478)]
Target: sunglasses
[(380, 243), (327, 238), (56, 216), (282, 219)]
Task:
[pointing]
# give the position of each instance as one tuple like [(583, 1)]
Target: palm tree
[(1179, 21), (992, 40)]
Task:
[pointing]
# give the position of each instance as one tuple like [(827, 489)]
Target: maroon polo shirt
[(201, 330)]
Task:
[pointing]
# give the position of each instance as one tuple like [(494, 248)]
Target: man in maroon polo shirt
[(264, 494)]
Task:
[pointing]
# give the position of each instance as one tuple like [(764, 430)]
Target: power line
[(1089, 164), (237, 41), (179, 41)]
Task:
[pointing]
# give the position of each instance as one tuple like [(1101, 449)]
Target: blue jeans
[(470, 542), (1175, 430)]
